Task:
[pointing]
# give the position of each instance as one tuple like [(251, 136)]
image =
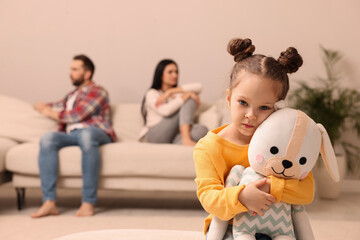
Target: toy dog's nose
[(287, 164)]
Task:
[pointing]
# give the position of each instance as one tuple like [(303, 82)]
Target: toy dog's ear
[(328, 155)]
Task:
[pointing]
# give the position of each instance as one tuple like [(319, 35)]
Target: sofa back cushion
[(127, 121), (20, 122)]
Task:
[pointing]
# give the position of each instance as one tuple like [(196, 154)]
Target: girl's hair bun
[(240, 48), (291, 60)]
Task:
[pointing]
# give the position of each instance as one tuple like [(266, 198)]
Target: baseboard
[(350, 186)]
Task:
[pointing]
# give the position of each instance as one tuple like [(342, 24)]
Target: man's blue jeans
[(89, 140)]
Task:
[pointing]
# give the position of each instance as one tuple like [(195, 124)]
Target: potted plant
[(337, 109)]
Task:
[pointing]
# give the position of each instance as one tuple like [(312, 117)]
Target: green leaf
[(326, 102)]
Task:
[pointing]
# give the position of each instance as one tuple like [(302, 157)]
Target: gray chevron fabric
[(276, 220)]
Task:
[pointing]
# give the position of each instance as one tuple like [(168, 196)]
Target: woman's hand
[(186, 96), (168, 93), (254, 199), (161, 99)]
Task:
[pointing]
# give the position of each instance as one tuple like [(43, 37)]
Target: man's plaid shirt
[(91, 108)]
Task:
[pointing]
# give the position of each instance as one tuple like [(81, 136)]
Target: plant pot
[(326, 187)]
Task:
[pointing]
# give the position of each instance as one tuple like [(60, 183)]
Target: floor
[(128, 210)]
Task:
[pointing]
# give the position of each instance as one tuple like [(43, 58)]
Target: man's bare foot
[(47, 209), (85, 210), (188, 142)]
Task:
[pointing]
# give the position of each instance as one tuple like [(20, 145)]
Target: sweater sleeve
[(165, 109), (192, 87), (293, 191), (214, 197)]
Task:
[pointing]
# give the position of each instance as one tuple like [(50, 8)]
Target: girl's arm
[(293, 191), (214, 197), (223, 202)]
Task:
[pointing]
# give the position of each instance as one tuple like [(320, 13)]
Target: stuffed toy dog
[(285, 145)]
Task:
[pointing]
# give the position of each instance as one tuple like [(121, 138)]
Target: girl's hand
[(266, 186), (254, 199)]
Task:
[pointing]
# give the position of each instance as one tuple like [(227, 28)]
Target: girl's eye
[(242, 102), (264, 108)]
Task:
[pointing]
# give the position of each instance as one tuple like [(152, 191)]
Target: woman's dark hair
[(289, 61), (157, 81), (87, 63)]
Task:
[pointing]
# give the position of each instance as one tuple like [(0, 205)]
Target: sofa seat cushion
[(186, 187), (118, 159), (5, 145)]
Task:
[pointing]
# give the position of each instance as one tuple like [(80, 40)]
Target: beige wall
[(126, 39)]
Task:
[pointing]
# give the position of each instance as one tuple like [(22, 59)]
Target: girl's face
[(170, 75), (251, 102)]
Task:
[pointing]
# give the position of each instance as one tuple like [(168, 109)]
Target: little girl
[(257, 82)]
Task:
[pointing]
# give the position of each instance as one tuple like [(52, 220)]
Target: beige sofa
[(126, 165), (5, 145)]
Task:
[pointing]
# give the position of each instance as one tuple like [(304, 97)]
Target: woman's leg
[(164, 131), (186, 119), (190, 133), (187, 112), (178, 128), (197, 132)]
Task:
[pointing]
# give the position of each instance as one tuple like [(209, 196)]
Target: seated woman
[(168, 109)]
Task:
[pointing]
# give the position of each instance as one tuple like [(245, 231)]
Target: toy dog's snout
[(282, 167)]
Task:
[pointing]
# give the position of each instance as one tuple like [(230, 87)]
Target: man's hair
[(87, 63)]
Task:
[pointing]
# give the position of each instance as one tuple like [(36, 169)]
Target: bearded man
[(84, 120)]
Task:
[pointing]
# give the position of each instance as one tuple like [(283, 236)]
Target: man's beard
[(78, 81)]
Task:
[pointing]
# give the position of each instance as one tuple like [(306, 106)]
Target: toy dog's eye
[(274, 150), (302, 160)]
